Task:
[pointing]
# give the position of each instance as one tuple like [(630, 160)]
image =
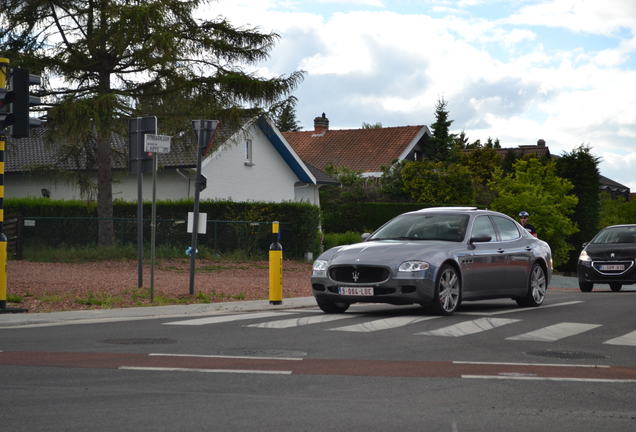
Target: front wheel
[(585, 286), (330, 306), (615, 286), (537, 286), (448, 291)]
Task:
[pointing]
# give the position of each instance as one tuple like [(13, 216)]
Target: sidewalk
[(176, 311)]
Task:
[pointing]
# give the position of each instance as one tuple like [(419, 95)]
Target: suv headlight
[(320, 268), (411, 266), (584, 256)]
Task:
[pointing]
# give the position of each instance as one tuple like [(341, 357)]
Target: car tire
[(615, 286), (448, 291), (586, 286), (330, 306), (537, 287)]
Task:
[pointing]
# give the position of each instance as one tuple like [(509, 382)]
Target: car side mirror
[(365, 236)]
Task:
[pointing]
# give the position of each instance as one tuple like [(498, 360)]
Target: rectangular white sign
[(157, 143), (203, 222)]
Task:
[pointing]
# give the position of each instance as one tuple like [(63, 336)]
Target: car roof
[(429, 209)]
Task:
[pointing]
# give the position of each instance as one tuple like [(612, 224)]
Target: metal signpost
[(139, 162), (205, 133), (154, 144)]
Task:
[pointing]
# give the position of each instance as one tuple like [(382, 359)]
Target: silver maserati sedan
[(436, 257)]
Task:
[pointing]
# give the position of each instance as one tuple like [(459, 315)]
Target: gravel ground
[(47, 287)]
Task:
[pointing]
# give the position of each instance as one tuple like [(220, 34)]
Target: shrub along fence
[(362, 216), (244, 227)]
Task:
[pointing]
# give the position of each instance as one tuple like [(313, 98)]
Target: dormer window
[(248, 153)]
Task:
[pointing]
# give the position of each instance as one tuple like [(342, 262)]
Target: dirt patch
[(47, 287)]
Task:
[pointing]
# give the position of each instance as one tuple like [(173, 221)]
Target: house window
[(248, 153)]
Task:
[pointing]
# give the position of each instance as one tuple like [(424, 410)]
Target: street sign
[(157, 143)]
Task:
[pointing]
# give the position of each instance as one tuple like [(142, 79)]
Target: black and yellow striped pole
[(4, 81), (275, 267)]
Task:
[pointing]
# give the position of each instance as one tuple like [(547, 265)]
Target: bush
[(339, 239), (362, 217)]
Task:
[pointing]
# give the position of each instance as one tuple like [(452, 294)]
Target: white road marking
[(226, 318), (302, 321), (519, 309), (469, 327), (531, 364), (555, 332), (239, 371), (538, 378), (224, 356), (383, 324), (628, 339)]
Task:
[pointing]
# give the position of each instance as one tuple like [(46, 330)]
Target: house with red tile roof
[(361, 150)]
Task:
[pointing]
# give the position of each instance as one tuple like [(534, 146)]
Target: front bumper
[(403, 290), (591, 271)]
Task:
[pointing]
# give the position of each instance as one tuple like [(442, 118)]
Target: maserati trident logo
[(612, 255), (355, 276)]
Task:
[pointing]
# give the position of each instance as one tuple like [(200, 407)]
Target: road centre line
[(529, 364), (538, 378), (236, 371), (224, 356), (515, 310)]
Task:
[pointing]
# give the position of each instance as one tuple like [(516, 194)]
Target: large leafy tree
[(580, 166), (103, 60), (534, 186)]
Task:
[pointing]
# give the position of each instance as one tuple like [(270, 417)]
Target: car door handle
[(500, 250)]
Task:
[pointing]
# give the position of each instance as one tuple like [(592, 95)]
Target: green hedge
[(231, 225), (362, 217)]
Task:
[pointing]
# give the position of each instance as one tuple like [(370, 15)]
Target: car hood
[(390, 252), (621, 251)]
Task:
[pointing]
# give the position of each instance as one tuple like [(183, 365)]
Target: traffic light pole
[(205, 131), (4, 74)]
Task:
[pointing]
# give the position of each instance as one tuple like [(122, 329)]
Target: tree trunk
[(105, 227)]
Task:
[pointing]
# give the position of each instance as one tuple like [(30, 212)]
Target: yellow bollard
[(275, 267)]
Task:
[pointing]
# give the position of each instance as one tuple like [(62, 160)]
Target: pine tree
[(286, 116), (440, 146), (102, 60)]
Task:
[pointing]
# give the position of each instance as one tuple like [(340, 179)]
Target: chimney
[(541, 143), (321, 125)]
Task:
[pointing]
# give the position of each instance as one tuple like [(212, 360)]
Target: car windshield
[(418, 226), (616, 235)]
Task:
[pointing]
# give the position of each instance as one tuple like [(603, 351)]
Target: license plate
[(611, 267), (356, 291)]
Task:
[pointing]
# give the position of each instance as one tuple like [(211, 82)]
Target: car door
[(517, 255), (482, 280)]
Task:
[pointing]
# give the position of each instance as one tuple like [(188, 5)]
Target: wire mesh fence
[(251, 238)]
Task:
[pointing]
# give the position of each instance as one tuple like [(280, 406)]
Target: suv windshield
[(616, 235), (431, 226)]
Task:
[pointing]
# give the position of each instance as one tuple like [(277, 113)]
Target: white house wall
[(231, 177), (170, 186)]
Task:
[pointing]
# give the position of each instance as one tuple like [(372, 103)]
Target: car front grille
[(612, 267), (359, 274)]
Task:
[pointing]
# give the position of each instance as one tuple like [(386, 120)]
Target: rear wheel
[(615, 286), (585, 286), (537, 286), (448, 291), (330, 306)]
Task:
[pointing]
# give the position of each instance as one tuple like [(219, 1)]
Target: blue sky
[(517, 70)]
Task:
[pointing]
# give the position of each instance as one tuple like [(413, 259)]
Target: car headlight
[(411, 266), (584, 256), (320, 268)]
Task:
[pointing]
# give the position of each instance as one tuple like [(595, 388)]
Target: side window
[(483, 227), (248, 153), (507, 228)]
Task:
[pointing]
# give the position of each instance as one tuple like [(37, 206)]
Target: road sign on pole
[(157, 143)]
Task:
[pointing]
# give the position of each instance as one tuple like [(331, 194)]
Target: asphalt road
[(569, 365)]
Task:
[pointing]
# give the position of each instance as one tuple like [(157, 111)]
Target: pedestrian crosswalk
[(433, 325)]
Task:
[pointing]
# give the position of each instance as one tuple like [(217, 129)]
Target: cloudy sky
[(517, 70)]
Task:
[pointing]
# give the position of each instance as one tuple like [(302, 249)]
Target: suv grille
[(359, 274)]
